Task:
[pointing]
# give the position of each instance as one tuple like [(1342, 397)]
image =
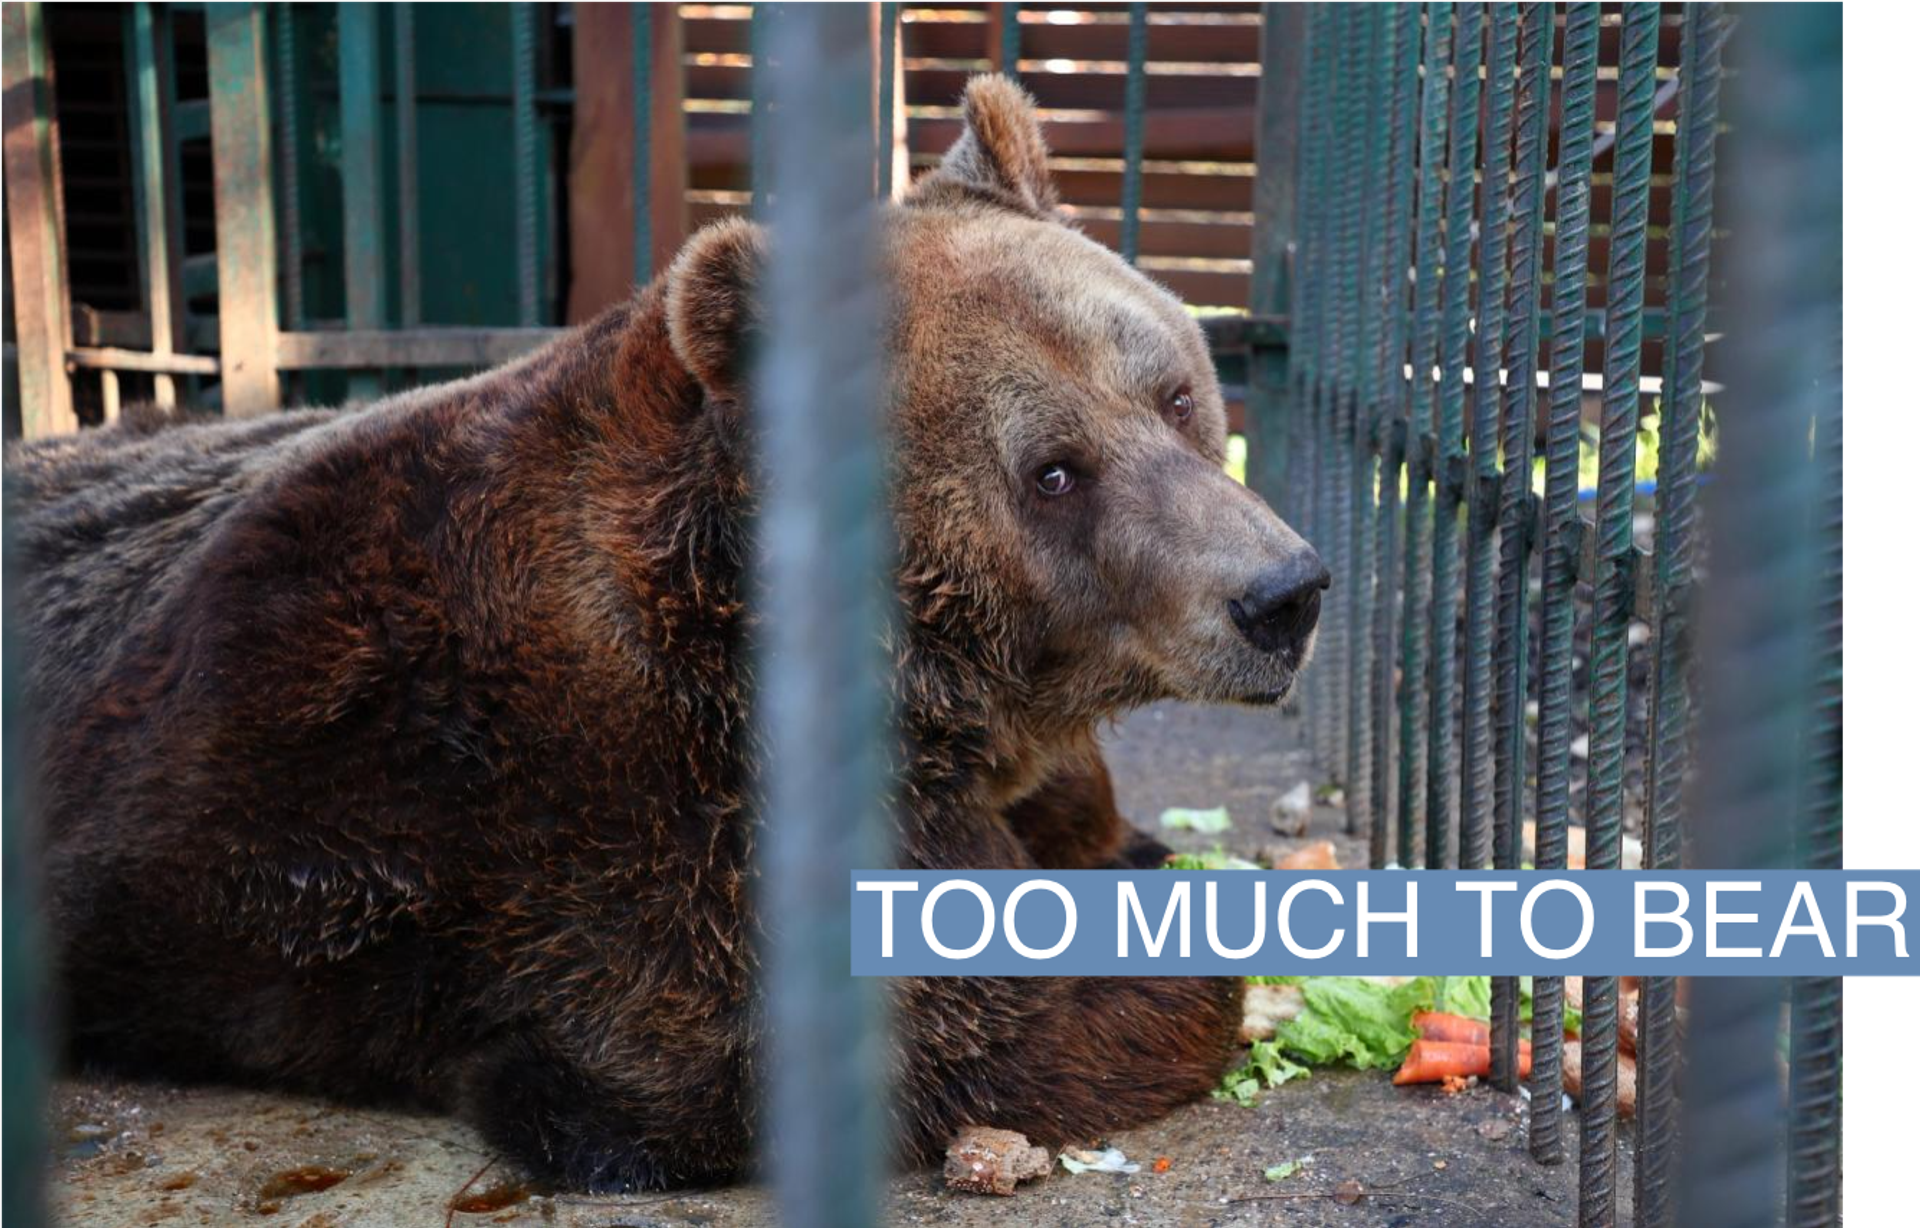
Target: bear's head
[(1062, 509)]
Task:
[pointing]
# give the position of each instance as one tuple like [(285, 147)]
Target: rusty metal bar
[(243, 208), (35, 247)]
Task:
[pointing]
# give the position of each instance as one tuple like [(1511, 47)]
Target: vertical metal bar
[(1136, 137), (1579, 70), (1449, 427), (1817, 1021), (39, 289), (1489, 334), (1533, 115), (362, 194), (1761, 608), (27, 1000), (243, 207), (1363, 429), (1312, 320), (1010, 40), (1335, 529), (525, 134), (759, 134), (824, 550), (286, 144), (1390, 426), (152, 145), (886, 133), (1271, 411), (1323, 288), (643, 145), (1429, 260), (1690, 235), (1613, 580), (406, 136)]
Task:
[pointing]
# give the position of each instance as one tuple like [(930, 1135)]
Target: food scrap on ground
[(1206, 822), (1162, 1163), (1266, 1007), (1292, 809), (1079, 1160), (1316, 856), (1436, 1061), (982, 1160)]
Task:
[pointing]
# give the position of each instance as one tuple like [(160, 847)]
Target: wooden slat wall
[(1203, 79)]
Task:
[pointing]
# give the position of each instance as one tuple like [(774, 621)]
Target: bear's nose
[(1283, 602)]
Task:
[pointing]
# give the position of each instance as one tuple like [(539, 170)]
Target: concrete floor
[(130, 1154)]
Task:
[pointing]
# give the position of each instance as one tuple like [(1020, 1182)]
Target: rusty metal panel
[(243, 207), (39, 290)]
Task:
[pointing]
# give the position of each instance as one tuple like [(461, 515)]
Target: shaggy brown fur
[(404, 751)]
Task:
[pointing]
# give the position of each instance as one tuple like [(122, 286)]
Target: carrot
[(1431, 1061), (1439, 1025)]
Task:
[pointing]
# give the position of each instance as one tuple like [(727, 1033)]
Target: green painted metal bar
[(1761, 609), (1489, 334), (1365, 415), (1558, 563), (1613, 599), (1814, 1142), (362, 194), (525, 135), (883, 137), (1333, 522), (1010, 40), (1136, 132), (1389, 422), (643, 133), (1690, 235), (243, 208), (38, 295), (1309, 320), (1270, 408), (1418, 536), (1449, 436), (758, 134), (823, 552), (286, 145), (1325, 288), (406, 142), (152, 147), (1533, 118)]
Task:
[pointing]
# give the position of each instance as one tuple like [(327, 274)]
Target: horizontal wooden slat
[(1189, 42), (422, 347), (942, 87), (139, 360)]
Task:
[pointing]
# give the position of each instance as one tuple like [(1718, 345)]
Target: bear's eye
[(1054, 480), (1180, 405)]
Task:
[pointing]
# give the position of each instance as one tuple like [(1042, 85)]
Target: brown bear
[(404, 752)]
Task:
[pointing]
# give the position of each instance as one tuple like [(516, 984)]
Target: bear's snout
[(1282, 603)]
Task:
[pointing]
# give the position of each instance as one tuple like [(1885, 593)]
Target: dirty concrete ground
[(138, 1154)]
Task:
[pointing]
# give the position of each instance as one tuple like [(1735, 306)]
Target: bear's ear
[(1001, 153), (713, 304)]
